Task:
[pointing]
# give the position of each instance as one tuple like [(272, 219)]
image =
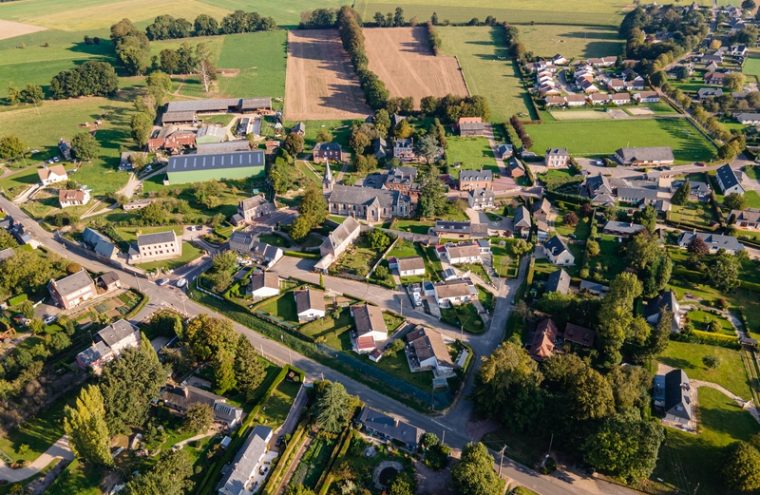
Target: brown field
[(402, 58), (320, 83), (10, 29)]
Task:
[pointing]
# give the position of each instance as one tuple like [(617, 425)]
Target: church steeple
[(327, 182)]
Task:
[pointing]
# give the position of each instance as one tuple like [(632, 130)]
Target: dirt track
[(320, 82), (402, 58), (11, 29)]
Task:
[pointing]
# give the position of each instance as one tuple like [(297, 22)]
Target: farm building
[(471, 126), (188, 110), (652, 156), (748, 118), (185, 169)]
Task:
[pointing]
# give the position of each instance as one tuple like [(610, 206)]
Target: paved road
[(452, 423)]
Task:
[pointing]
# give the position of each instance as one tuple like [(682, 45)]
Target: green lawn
[(404, 249), (473, 153), (488, 70), (546, 40), (37, 434), (691, 461), (331, 329), (260, 57), (752, 65), (702, 319), (76, 478), (752, 198), (415, 226), (357, 261), (398, 366), (282, 307), (589, 138), (464, 316), (275, 409), (557, 178), (729, 373), (189, 253), (274, 240), (694, 213), (313, 463)]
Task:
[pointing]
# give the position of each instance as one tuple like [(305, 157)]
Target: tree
[(360, 139), (401, 485), (592, 248), (224, 262), (681, 196), (735, 201), (12, 148), (298, 490), (128, 384), (432, 200), (205, 25), (313, 211), (332, 409), (724, 271), (198, 419), (734, 81), (570, 219), (647, 217), (625, 447), (584, 393), (85, 425), (6, 240), (630, 386), (159, 84), (204, 66), (324, 136), (26, 270), (154, 214), (475, 475), (170, 475), (398, 17), (427, 146), (382, 122), (206, 335), (741, 468), (749, 4), (249, 369), (141, 126), (615, 316), (84, 146), (698, 247), (403, 130), (32, 93), (378, 240), (293, 144)]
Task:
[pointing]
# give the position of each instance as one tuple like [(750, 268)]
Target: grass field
[(752, 64), (691, 461), (189, 253), (473, 153), (488, 71), (261, 59), (545, 40), (588, 138)]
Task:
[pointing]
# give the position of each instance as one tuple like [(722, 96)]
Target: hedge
[(301, 254), (285, 459), (339, 453), (700, 337)]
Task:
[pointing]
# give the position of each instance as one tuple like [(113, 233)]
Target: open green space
[(275, 409), (37, 434), (282, 307), (77, 478), (702, 320), (729, 372), (470, 153), (260, 59), (751, 65), (693, 212), (752, 198), (397, 365), (488, 70), (693, 461), (593, 138), (546, 40), (189, 253), (313, 463), (464, 316), (414, 226), (358, 260), (333, 329), (556, 178)]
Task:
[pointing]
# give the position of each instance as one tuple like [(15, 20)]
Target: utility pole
[(501, 459)]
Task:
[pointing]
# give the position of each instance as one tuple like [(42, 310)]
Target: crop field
[(320, 83), (260, 58), (545, 40), (403, 60), (589, 137), (11, 29), (487, 68)]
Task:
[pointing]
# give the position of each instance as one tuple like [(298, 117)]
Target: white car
[(49, 319), (181, 282)]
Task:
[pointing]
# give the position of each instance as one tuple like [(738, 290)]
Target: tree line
[(166, 27)]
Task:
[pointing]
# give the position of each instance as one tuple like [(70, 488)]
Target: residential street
[(454, 423)]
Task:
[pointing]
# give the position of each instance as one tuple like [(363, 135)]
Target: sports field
[(602, 137), (488, 70), (320, 81), (546, 40), (403, 60)]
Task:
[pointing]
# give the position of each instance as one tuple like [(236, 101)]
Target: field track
[(402, 59), (320, 81), (10, 29)]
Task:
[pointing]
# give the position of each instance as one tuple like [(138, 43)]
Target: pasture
[(260, 58), (487, 68), (320, 83), (603, 137), (578, 42), (403, 60)]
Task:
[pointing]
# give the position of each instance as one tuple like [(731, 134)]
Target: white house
[(264, 284), (51, 175), (247, 462), (266, 255), (158, 246), (337, 242), (310, 304), (73, 197), (557, 252), (426, 350), (728, 180), (407, 267), (371, 330), (715, 242), (458, 254), (454, 292), (109, 343)]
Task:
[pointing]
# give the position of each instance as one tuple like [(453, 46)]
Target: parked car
[(162, 281), (49, 319), (181, 282)]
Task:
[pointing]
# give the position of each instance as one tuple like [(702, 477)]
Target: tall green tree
[(84, 146), (170, 475), (249, 368), (198, 419), (140, 128), (333, 409), (128, 384), (206, 335), (741, 468), (724, 271), (85, 425), (625, 447), (432, 193), (580, 392), (475, 475), (12, 148), (616, 315), (681, 196)]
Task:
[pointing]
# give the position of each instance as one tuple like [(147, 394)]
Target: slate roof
[(368, 319), (246, 461), (678, 394), (665, 300), (225, 147), (555, 245), (342, 232), (156, 238), (73, 282), (558, 281), (389, 427), (307, 299), (624, 228), (727, 177), (475, 175), (353, 195), (220, 161), (645, 154), (116, 332), (522, 217), (636, 194), (260, 280), (715, 241), (218, 104)]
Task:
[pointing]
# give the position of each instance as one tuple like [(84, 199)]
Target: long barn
[(185, 169)]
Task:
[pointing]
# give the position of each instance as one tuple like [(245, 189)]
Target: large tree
[(580, 392), (141, 125), (85, 425), (432, 193), (170, 475), (206, 335), (474, 474), (12, 148), (128, 384), (625, 447), (249, 369), (199, 418), (333, 409), (84, 146), (616, 315), (724, 271), (741, 468)]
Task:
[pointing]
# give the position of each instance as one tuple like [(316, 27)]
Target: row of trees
[(450, 108), (350, 29), (522, 135), (131, 46), (89, 79), (434, 38), (168, 27)]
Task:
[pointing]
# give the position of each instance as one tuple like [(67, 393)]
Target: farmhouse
[(108, 344), (340, 239), (746, 219), (327, 151), (241, 242), (728, 181), (370, 327), (544, 340), (458, 254), (672, 396), (253, 208), (521, 222), (181, 398), (153, 247), (454, 292), (310, 304), (556, 157), (73, 290), (652, 156), (247, 461), (426, 350), (714, 242), (171, 139), (368, 204), (646, 97), (73, 197), (622, 229), (471, 126), (715, 78), (387, 428), (186, 169), (748, 118), (407, 267), (266, 255), (557, 252), (558, 282), (470, 180), (51, 175), (481, 199), (264, 284)]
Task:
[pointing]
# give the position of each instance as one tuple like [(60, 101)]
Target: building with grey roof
[(73, 290), (109, 343), (310, 304), (382, 426), (220, 105), (470, 180), (368, 204), (156, 246), (748, 219), (181, 398), (672, 397), (521, 223), (223, 147), (247, 461), (715, 242), (638, 196), (729, 180), (598, 189), (558, 281), (184, 169), (99, 243), (645, 156), (622, 229), (338, 241)]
